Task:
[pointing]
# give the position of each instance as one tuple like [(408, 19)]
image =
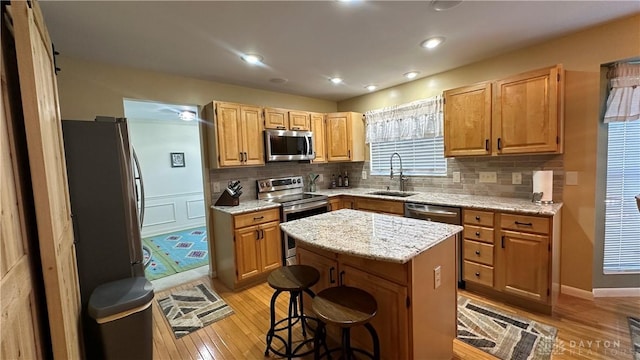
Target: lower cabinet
[(248, 246), (389, 207)]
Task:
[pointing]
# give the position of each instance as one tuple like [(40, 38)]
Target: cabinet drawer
[(257, 217), (525, 223), (475, 217), (478, 252), (478, 273), (478, 233)]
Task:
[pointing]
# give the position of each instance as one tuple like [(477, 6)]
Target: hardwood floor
[(586, 329)]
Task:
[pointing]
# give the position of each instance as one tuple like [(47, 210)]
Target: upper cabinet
[(283, 119), (345, 136), (319, 141), (234, 134), (521, 114)]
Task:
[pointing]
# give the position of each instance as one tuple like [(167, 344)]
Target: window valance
[(416, 120), (623, 103)]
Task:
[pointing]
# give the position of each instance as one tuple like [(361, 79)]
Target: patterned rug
[(192, 309), (505, 336), (176, 252), (634, 331)]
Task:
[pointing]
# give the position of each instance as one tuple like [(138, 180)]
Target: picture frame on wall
[(177, 159)]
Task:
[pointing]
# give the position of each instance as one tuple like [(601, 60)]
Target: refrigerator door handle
[(139, 170)]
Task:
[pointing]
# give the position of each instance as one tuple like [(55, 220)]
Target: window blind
[(622, 217), (419, 157)]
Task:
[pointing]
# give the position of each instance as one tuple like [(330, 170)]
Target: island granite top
[(369, 235)]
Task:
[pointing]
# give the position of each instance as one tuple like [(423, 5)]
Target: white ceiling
[(156, 111), (306, 42)]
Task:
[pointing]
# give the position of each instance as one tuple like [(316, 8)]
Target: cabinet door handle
[(524, 224), (245, 157), (499, 144), (502, 241), (258, 218), (331, 279), (349, 154), (295, 128), (477, 274), (341, 279), (477, 218), (281, 127), (486, 144), (257, 234), (241, 156), (478, 233), (477, 252)]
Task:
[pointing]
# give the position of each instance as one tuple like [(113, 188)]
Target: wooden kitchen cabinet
[(379, 205), (467, 120), (477, 247), (248, 246), (520, 114), (345, 136), (234, 135), (284, 119), (319, 138), (299, 121), (335, 203)]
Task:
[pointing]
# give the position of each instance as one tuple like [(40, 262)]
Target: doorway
[(171, 198)]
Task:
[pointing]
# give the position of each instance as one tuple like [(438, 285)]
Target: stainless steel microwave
[(285, 145)]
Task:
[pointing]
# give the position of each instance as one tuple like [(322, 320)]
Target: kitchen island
[(408, 265)]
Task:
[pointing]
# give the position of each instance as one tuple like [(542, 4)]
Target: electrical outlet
[(571, 178), (437, 277), (488, 177), (216, 187), (320, 179), (364, 174), (456, 176), (516, 178)]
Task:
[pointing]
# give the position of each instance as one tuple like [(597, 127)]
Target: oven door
[(295, 212)]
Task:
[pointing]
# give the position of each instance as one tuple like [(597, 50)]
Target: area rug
[(505, 336), (634, 331), (192, 309), (176, 252)]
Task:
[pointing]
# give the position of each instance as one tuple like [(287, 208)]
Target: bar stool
[(294, 279), (345, 307)]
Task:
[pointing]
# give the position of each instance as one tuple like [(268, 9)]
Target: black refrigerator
[(104, 191)]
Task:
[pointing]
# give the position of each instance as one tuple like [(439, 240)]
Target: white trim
[(191, 216), (575, 292), (173, 210), (168, 196), (616, 292)]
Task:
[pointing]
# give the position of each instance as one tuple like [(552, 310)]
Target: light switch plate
[(437, 277), (320, 179), (571, 178), (516, 178), (488, 177), (364, 174), (456, 176), (216, 187)]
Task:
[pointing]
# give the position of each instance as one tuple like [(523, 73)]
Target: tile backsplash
[(469, 169)]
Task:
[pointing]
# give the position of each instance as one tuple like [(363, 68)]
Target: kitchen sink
[(391, 193)]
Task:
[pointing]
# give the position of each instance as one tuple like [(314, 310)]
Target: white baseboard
[(579, 293), (616, 292)]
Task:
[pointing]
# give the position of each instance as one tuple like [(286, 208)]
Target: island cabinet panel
[(247, 246), (379, 205), (392, 318)]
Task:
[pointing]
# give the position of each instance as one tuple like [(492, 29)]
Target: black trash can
[(123, 318)]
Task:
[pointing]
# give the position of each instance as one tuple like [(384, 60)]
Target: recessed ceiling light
[(432, 42), (336, 80), (370, 87), (252, 58), (187, 115), (411, 74), (442, 5)]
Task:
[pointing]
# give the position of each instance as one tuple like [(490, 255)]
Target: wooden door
[(467, 120), (319, 139), (246, 251), (276, 119), (524, 265), (18, 287), (392, 319), (252, 135), (229, 134), (527, 110), (270, 246), (338, 137), (299, 121), (49, 177)]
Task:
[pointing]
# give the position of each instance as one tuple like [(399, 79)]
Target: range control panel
[(268, 185)]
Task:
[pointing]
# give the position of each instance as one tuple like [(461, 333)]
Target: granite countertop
[(369, 235), (466, 201), (247, 206)]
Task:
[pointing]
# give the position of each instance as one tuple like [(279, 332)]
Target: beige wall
[(87, 89), (581, 54)]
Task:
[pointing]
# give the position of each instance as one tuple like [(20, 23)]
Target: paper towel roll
[(543, 183)]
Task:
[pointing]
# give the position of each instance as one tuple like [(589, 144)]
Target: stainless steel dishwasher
[(443, 214)]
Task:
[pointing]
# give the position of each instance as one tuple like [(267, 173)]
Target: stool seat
[(293, 277), (345, 306)]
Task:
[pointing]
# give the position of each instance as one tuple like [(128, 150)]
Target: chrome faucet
[(402, 177)]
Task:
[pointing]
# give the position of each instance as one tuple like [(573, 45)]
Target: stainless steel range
[(296, 204)]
